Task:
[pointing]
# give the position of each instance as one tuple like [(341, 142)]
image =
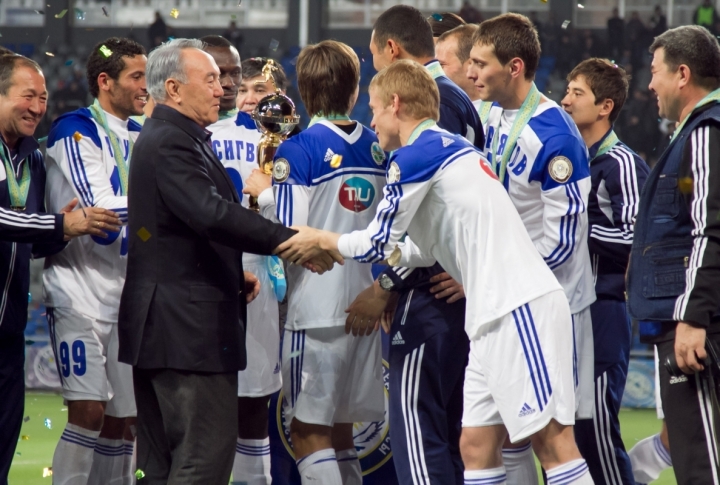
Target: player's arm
[(408, 254), (291, 184), (564, 200), (701, 165), (30, 228), (77, 149), (623, 182)]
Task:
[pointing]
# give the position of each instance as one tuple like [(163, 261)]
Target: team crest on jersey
[(372, 440), (393, 173), (560, 169), (378, 155), (356, 194), (281, 170)]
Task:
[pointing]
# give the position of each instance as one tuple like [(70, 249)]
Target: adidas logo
[(447, 141), (678, 379), (277, 369), (328, 155), (397, 339), (525, 411)]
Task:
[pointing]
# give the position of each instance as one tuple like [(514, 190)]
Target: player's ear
[(517, 67), (394, 49), (607, 107), (395, 104)]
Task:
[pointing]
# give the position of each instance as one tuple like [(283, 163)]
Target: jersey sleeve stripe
[(381, 237), (700, 140), (629, 187), (568, 228), (29, 221), (348, 171), (77, 171)]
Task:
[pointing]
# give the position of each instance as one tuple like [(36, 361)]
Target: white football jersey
[(548, 179), (311, 189), (89, 274), (235, 142), (441, 191)]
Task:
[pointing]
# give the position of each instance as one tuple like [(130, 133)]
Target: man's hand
[(307, 244), (690, 347), (324, 262), (256, 183), (365, 312), (91, 220), (447, 288), (252, 286)]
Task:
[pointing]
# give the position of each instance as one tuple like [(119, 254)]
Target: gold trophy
[(275, 117)]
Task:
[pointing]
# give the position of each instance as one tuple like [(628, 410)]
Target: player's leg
[(426, 379), (112, 461), (346, 454), (310, 361), (599, 438), (80, 349), (257, 382), (687, 404), (650, 456), (584, 364), (519, 462)]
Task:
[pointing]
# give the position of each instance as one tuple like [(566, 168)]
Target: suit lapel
[(217, 164)]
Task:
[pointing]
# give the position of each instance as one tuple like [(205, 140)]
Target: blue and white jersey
[(548, 179), (618, 177), (312, 190), (89, 274), (235, 142), (441, 191)]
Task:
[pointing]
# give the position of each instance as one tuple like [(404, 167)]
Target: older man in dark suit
[(183, 305)]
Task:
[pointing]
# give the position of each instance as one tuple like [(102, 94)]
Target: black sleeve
[(699, 181), (43, 248), (30, 228), (190, 193)]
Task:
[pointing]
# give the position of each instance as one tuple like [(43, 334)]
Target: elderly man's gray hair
[(166, 62)]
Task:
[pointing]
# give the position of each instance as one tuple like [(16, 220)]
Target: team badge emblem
[(393, 173), (378, 155), (560, 169), (281, 170)]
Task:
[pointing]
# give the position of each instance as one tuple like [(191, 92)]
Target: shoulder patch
[(281, 170), (393, 173), (560, 169), (378, 155)]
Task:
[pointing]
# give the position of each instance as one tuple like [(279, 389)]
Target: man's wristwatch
[(386, 283)]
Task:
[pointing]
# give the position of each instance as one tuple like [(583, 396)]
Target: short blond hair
[(413, 84)]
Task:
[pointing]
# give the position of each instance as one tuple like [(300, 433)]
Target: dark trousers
[(599, 438), (426, 393), (186, 426), (12, 398), (686, 402)]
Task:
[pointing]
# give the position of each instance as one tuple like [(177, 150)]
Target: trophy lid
[(275, 113)]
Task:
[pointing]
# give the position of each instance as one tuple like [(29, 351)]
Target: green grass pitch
[(35, 451)]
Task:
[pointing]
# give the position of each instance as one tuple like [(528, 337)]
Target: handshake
[(314, 249)]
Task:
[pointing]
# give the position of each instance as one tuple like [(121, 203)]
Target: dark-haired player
[(87, 157), (595, 95), (235, 140)]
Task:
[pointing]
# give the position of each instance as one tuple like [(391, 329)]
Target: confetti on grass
[(47, 471), (105, 12), (139, 474), (50, 54), (48, 423), (79, 14), (274, 44)]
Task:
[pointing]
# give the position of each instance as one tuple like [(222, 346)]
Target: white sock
[(129, 460), (489, 476), (320, 468), (252, 462), (649, 457), (349, 465), (520, 466), (107, 462), (73, 456), (575, 472)]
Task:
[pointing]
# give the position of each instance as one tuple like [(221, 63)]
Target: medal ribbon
[(98, 115), (435, 69), (608, 143), (484, 111), (523, 118), (425, 125), (18, 193), (712, 97), (223, 115), (332, 117)]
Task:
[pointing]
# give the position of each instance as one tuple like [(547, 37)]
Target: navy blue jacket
[(22, 236), (617, 178), (674, 272)]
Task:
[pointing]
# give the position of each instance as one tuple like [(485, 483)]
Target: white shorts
[(86, 353), (262, 376), (520, 371), (330, 377), (583, 364)]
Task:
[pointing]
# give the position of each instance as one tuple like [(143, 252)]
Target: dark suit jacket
[(183, 306)]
